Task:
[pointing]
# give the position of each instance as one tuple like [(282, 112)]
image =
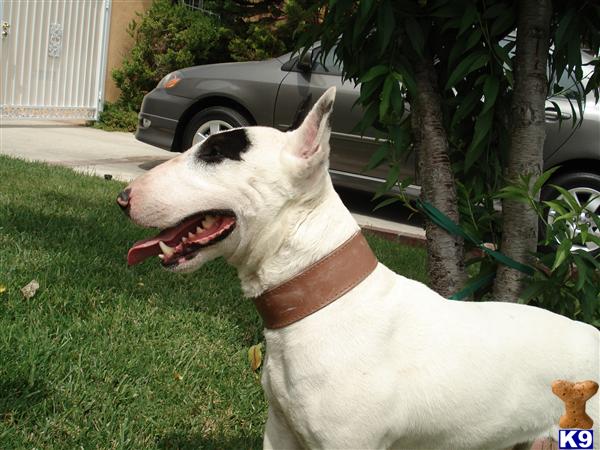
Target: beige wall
[(119, 42)]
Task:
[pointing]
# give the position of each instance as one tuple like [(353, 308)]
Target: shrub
[(116, 117), (167, 37)]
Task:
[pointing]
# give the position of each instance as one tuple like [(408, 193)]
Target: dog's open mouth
[(183, 241)]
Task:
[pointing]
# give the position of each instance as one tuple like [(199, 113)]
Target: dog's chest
[(331, 363), (316, 391)]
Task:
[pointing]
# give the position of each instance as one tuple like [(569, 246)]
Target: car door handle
[(552, 115)]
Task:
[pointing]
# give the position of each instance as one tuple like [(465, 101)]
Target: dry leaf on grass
[(177, 376), (2, 289), (255, 356), (30, 289)]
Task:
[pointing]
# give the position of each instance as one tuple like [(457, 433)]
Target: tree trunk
[(445, 252), (520, 222)]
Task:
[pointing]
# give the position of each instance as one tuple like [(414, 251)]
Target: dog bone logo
[(575, 395)]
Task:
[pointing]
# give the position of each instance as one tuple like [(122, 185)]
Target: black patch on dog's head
[(226, 145)]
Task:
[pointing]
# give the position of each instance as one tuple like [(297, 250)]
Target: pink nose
[(123, 200)]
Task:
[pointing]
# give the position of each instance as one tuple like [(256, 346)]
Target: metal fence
[(53, 58)]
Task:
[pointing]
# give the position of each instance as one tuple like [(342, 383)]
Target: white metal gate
[(53, 58)]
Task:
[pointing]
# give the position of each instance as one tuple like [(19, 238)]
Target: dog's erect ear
[(312, 137), (300, 113)]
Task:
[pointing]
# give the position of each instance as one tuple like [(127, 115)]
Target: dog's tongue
[(146, 248)]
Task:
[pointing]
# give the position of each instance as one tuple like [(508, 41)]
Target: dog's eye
[(221, 146), (210, 153)]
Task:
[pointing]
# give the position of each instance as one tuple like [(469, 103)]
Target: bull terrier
[(359, 357)]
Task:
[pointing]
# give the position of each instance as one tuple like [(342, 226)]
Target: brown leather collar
[(319, 285)]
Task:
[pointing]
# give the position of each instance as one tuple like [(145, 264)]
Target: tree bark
[(520, 222), (445, 252)]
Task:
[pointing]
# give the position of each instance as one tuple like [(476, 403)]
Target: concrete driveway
[(82, 148), (120, 155)]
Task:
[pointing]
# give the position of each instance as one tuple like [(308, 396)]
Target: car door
[(350, 152)]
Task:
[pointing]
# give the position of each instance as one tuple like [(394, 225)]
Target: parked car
[(190, 104)]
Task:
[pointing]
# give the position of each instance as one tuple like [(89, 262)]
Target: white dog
[(390, 363)]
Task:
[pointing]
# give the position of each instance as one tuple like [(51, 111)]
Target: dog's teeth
[(190, 235), (184, 239), (168, 251), (208, 222), (161, 256), (199, 230), (205, 241)]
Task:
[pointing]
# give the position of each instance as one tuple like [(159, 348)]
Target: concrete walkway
[(82, 148), (120, 155)]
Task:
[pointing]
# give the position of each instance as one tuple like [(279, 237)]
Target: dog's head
[(232, 191)]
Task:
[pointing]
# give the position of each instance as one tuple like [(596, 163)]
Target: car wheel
[(210, 121), (585, 187)]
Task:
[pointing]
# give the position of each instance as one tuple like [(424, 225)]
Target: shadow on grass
[(195, 441), (95, 247), (17, 397)]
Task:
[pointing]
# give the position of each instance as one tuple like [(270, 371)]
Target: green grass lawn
[(107, 356)]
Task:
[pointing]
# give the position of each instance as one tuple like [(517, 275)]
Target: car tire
[(584, 186), (210, 119)]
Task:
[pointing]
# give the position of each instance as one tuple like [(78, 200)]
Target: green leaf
[(368, 89), (386, 22), (596, 219), (397, 99), (563, 27), (368, 119), (392, 177), (558, 112), (589, 302), (401, 137), (456, 51), (569, 216), (447, 11), (374, 72), (503, 53), (582, 269), (483, 126), (467, 105), (541, 181), (378, 157), (490, 92), (407, 79), (561, 254), (386, 202), (568, 197), (415, 35), (591, 259), (471, 63), (384, 104), (511, 191), (494, 11), (468, 18), (556, 206), (473, 39), (532, 291), (583, 232), (504, 22), (364, 10)]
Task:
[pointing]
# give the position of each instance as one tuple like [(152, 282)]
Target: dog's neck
[(304, 234)]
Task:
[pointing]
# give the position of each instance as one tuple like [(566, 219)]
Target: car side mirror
[(305, 61)]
